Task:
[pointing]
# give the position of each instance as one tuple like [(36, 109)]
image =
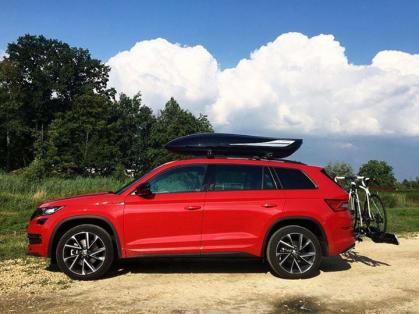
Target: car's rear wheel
[(294, 252), (85, 252)]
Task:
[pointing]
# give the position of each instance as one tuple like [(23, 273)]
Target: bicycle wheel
[(378, 220), (355, 215)]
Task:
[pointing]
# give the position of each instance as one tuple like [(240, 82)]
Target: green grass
[(12, 245), (19, 198), (402, 220)]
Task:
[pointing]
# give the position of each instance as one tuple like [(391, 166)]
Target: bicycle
[(372, 217)]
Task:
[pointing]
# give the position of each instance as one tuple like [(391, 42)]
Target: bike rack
[(383, 237)]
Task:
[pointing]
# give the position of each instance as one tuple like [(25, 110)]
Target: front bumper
[(39, 234)]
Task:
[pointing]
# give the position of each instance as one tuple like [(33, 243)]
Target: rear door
[(239, 202)]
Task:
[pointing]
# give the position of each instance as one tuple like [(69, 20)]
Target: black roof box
[(234, 145)]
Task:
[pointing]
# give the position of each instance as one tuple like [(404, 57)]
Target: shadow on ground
[(170, 265), (354, 257)]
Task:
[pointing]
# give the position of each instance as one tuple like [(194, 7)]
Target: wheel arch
[(71, 222), (307, 222)]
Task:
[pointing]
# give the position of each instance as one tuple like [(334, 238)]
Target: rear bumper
[(340, 236)]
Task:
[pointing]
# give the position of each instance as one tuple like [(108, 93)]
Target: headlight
[(50, 210), (45, 211)]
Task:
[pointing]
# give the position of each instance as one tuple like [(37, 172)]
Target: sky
[(342, 75)]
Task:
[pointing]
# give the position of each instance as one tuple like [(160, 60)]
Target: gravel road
[(373, 278)]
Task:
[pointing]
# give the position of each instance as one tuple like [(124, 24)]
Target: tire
[(355, 215), (85, 252), (282, 257), (378, 223)]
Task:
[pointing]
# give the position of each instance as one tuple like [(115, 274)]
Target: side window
[(236, 177), (179, 179), (268, 181), (293, 179)]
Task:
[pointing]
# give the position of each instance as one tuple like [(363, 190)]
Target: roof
[(243, 161)]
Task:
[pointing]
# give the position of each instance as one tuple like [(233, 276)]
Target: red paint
[(204, 222)]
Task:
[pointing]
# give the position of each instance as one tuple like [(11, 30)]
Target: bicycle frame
[(358, 183)]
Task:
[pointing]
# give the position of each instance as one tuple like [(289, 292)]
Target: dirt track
[(374, 278)]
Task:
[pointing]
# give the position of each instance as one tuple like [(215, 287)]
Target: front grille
[(34, 238)]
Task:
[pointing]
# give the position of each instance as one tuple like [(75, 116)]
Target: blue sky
[(228, 29), (352, 94)]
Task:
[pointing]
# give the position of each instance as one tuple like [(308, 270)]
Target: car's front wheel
[(294, 252), (85, 252)]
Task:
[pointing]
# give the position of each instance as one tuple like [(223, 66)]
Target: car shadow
[(169, 265), (197, 265)]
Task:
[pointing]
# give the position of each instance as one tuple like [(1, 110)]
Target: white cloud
[(294, 84), (160, 70), (2, 54)]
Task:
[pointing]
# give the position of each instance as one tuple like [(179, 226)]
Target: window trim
[(209, 178), (300, 170), (272, 177), (203, 186)]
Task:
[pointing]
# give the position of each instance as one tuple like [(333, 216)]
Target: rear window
[(293, 179)]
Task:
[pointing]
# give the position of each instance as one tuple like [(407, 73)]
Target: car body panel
[(234, 220), (164, 223)]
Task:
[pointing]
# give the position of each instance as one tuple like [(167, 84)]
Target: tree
[(342, 169), (380, 171), (41, 78), (172, 122), (81, 141), (412, 184), (131, 125)]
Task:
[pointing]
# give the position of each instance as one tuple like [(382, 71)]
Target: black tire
[(355, 217), (295, 262), (378, 223), (82, 256)]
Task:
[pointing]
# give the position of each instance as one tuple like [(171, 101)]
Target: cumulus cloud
[(295, 84), (160, 70)]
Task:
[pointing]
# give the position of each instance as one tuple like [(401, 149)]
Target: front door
[(170, 220)]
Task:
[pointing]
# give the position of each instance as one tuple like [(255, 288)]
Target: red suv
[(288, 213)]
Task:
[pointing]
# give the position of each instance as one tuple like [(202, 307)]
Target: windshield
[(129, 184)]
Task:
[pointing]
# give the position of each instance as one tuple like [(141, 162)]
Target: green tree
[(41, 78), (81, 141), (172, 122), (342, 169), (131, 125), (380, 171)]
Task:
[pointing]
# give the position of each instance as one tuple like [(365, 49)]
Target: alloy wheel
[(84, 253), (295, 253)]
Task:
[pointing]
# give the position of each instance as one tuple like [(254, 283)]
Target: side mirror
[(144, 190)]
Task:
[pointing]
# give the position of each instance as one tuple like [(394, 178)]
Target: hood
[(91, 198)]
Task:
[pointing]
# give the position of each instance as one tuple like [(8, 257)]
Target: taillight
[(337, 205)]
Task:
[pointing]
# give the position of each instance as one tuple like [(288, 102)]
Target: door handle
[(269, 205), (192, 207)]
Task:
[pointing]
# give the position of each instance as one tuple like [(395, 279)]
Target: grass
[(402, 220), (19, 197)]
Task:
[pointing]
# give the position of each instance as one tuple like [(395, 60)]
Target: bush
[(389, 200), (36, 170), (119, 173)]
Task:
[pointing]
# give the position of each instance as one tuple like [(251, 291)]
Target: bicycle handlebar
[(352, 178)]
